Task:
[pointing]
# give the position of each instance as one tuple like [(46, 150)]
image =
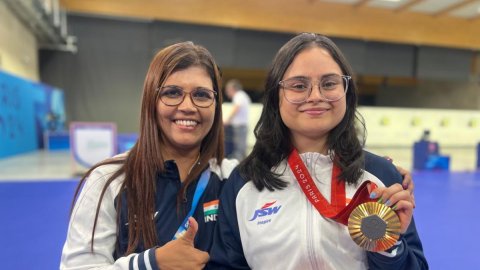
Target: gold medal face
[(374, 226)]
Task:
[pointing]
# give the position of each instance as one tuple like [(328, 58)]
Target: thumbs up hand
[(181, 253), (189, 236)]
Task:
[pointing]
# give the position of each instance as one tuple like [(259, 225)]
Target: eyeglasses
[(174, 95), (332, 88)]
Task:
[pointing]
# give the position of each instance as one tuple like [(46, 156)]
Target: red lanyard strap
[(337, 209), (308, 186), (361, 196)]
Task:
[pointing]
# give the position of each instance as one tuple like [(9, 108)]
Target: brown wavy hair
[(141, 165)]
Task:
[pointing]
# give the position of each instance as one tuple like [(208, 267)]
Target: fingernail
[(373, 195), (394, 207), (380, 200), (387, 203)]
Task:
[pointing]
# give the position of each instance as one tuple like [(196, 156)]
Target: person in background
[(238, 117), (307, 144), (425, 135), (155, 206)]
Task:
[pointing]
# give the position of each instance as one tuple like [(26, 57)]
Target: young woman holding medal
[(287, 205), (134, 209)]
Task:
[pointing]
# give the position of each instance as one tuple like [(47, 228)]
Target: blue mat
[(34, 222), (447, 218)]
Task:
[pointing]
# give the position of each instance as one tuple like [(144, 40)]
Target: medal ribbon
[(326, 209), (337, 209)]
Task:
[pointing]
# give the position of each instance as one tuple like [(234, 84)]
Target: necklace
[(194, 164)]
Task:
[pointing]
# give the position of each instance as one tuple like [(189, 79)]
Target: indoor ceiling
[(446, 23), (464, 9)]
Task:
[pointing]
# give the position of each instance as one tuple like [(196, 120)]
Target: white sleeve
[(225, 169), (77, 253), (237, 100)]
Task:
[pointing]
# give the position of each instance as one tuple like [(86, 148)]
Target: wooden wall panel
[(336, 20)]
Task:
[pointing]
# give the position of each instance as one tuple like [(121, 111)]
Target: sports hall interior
[(416, 64)]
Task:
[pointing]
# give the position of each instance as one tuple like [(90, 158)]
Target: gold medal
[(374, 226)]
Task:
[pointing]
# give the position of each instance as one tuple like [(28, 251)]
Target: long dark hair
[(274, 143), (145, 161)]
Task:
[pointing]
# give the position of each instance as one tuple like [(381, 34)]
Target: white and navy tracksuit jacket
[(292, 234), (76, 251)]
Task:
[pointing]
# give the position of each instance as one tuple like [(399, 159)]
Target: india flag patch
[(210, 210)]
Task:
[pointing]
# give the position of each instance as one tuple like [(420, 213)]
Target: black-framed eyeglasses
[(332, 87), (173, 95)]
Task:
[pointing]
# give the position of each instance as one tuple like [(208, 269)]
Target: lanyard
[(202, 184), (337, 210), (326, 209)]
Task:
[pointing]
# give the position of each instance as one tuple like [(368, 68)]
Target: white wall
[(18, 47), (393, 131)]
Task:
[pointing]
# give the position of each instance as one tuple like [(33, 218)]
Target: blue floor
[(447, 218), (34, 219)]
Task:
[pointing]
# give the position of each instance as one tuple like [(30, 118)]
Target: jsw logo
[(266, 210)]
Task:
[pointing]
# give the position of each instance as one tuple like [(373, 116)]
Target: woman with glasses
[(156, 205), (284, 206)]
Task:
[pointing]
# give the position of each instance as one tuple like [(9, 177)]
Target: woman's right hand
[(180, 253), (401, 201)]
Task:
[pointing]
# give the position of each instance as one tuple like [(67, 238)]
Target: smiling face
[(185, 125), (310, 122)]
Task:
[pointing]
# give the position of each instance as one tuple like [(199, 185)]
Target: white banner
[(92, 142)]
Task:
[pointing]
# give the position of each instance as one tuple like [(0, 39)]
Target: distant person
[(52, 120), (238, 117), (425, 135)]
